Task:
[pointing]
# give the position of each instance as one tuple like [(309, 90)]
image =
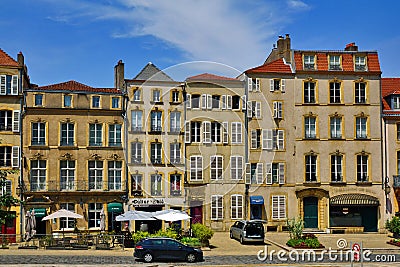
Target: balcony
[(136, 129), (156, 160), (4, 127), (156, 128), (176, 193), (73, 186), (396, 181)]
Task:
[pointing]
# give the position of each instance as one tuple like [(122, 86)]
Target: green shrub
[(191, 241), (312, 242), (167, 233), (393, 225), (294, 242), (295, 227), (136, 237), (203, 233)]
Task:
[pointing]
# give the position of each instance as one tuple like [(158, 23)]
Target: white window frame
[(114, 175), (137, 120), (236, 207), (278, 207), (196, 166), (216, 167), (206, 132), (236, 133), (279, 168), (217, 207), (236, 165), (136, 152), (67, 180), (175, 153), (361, 127), (96, 175)]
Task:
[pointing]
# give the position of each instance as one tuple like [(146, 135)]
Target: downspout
[(21, 173), (246, 152)]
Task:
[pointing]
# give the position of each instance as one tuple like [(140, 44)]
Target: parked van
[(247, 231)]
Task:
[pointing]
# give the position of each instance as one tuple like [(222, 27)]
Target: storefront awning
[(114, 207), (258, 200), (39, 212), (354, 200)]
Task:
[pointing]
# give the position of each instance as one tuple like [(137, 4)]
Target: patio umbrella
[(135, 215), (102, 220), (62, 213), (172, 216)]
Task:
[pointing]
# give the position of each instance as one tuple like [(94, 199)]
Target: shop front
[(256, 207), (114, 209), (148, 205)]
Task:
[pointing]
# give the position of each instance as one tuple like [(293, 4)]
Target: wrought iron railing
[(57, 186)]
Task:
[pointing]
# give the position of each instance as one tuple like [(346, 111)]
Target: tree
[(6, 200)]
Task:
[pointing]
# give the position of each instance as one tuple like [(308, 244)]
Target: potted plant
[(203, 233), (298, 239), (393, 226)]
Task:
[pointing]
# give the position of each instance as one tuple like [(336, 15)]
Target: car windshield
[(254, 228)]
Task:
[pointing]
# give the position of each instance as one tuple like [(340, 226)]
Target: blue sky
[(82, 40)]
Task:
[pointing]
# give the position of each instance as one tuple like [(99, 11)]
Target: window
[(309, 92), (9, 156), (310, 131), (360, 93), (175, 96), (236, 102), (278, 207), (334, 92), (136, 184), (95, 175), (273, 139), (95, 134), (396, 102), (236, 207), (277, 85), (359, 63), (398, 131), (156, 149), (136, 152), (67, 174), (206, 101), (334, 63), (275, 173), (114, 135), (6, 188), (336, 168), (253, 84), (309, 63), (254, 173), (38, 100), (67, 101), (114, 175), (6, 120), (236, 167), (65, 222), (254, 109), (215, 132), (236, 133), (8, 84), (95, 101), (137, 120), (196, 168), (38, 133), (278, 110), (175, 184), (336, 127), (156, 95), (38, 175), (156, 180), (94, 214), (311, 168), (195, 101), (215, 101), (256, 139), (195, 131), (175, 122), (156, 121), (362, 168), (67, 134), (217, 207), (115, 102), (136, 95), (206, 132), (361, 127), (175, 153), (216, 167)]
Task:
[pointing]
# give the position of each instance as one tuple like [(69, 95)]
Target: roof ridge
[(8, 59)]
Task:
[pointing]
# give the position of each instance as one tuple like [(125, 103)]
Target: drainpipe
[(21, 173), (246, 152)]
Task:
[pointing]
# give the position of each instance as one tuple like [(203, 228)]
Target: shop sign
[(144, 202)]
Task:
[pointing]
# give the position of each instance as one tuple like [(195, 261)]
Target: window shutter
[(249, 85), (206, 132), (281, 139), (14, 85), (233, 133), (271, 85), (15, 125), (209, 102), (229, 102), (225, 126), (282, 207), (234, 173), (15, 156), (223, 100), (253, 139), (187, 132), (8, 187), (188, 101), (260, 173), (257, 85), (204, 101), (267, 139), (248, 173), (269, 173), (275, 207), (243, 102), (258, 110), (283, 85), (249, 109), (238, 133), (3, 90), (281, 173), (275, 109)]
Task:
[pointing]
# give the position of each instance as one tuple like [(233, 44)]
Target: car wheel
[(241, 240), (148, 257), (231, 235), (191, 257)]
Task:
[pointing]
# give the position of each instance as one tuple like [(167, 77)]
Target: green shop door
[(310, 205)]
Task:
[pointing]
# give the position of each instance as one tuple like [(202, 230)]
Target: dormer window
[(309, 62), (396, 102), (359, 63), (334, 62)]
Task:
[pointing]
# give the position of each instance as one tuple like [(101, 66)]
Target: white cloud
[(230, 32), (297, 4)]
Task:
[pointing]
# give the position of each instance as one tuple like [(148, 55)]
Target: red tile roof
[(390, 86), (277, 66), (208, 76), (6, 60), (75, 86)]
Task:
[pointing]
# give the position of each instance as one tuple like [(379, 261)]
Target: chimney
[(351, 47), (119, 77), (280, 44), (20, 59)]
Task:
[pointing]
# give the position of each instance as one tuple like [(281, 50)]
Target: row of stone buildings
[(307, 133)]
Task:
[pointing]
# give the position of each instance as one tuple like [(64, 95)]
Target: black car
[(162, 248)]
